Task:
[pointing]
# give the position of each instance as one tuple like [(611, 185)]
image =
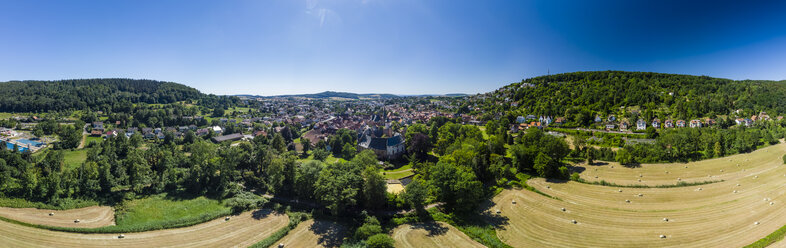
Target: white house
[(641, 124)]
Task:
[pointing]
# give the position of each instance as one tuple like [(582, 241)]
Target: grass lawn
[(93, 139), (397, 174), (74, 159), (163, 211), (329, 160)]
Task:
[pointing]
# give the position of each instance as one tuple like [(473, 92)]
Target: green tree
[(348, 151), (415, 194), (457, 186), (339, 186), (305, 178), (544, 165), (374, 188)]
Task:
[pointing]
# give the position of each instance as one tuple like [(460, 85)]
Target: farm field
[(240, 231), (431, 234), (89, 217), (311, 233), (746, 206)]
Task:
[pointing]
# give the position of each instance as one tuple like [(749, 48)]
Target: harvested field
[(319, 233), (240, 231), (89, 217), (720, 214), (431, 234)]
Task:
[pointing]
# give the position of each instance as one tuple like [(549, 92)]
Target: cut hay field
[(89, 217), (745, 207), (240, 231), (431, 234), (311, 233)]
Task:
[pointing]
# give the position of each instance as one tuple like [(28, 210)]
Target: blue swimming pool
[(10, 146), (25, 142)]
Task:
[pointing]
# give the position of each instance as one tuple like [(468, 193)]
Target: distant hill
[(41, 96), (582, 95)]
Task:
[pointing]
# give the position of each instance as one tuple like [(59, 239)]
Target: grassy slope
[(160, 210), (146, 214)]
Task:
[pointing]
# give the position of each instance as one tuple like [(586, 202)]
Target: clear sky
[(270, 47)]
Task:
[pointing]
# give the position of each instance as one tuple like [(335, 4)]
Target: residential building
[(641, 124)]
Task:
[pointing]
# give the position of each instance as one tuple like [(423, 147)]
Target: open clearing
[(746, 206), (431, 234), (89, 217), (240, 231), (319, 233)]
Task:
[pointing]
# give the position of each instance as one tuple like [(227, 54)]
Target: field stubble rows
[(746, 206)]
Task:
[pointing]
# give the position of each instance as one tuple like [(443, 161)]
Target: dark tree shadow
[(488, 215), (433, 228), (261, 213), (330, 234)]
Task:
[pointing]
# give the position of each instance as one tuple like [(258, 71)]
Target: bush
[(368, 229), (245, 201), (380, 241), (575, 177), (784, 158)]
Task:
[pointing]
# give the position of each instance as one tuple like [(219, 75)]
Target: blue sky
[(385, 46)]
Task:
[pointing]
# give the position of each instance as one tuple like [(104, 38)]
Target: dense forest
[(580, 96), (81, 94)]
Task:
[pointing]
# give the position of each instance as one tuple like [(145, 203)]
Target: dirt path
[(745, 207), (89, 217), (319, 233), (240, 231), (431, 234)]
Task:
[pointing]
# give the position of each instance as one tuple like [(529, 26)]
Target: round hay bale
[(765, 199), (76, 221), (619, 190), (755, 176), (121, 236), (721, 170), (735, 191), (679, 179), (666, 219), (563, 209), (640, 195), (574, 221), (667, 172), (226, 219), (639, 180), (628, 201), (499, 211), (662, 236), (738, 185), (686, 167), (281, 245), (548, 187), (513, 202), (756, 223), (640, 175), (51, 214), (772, 203), (699, 189), (596, 176)]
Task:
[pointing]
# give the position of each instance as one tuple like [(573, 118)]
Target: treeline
[(112, 94), (579, 96)]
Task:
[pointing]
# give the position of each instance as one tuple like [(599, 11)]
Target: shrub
[(380, 241)]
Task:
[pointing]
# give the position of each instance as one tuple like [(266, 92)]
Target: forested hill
[(39, 96), (586, 94)]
